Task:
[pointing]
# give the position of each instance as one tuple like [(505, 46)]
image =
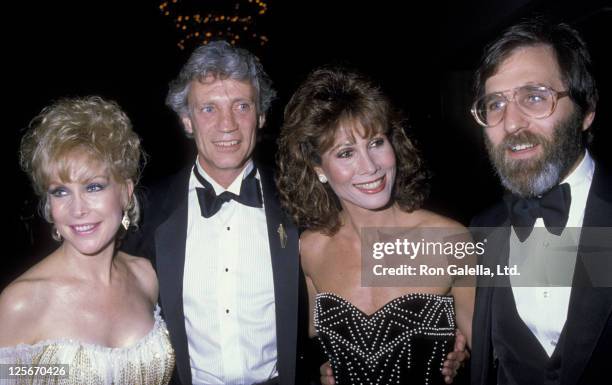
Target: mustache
[(521, 138)]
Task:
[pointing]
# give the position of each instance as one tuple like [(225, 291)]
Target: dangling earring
[(322, 178), (55, 234), (125, 221)]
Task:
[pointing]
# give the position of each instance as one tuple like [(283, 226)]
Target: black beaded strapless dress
[(404, 342)]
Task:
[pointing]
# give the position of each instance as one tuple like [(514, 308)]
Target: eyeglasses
[(535, 101)]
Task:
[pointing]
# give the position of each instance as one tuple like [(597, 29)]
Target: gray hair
[(221, 60)]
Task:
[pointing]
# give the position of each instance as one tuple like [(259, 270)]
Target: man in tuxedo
[(225, 254), (536, 99)]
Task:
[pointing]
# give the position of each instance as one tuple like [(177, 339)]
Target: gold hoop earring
[(125, 221)]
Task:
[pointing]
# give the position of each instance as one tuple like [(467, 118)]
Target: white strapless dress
[(150, 361)]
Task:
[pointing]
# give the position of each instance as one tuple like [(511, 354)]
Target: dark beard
[(533, 177)]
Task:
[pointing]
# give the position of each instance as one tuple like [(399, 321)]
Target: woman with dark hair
[(347, 165), (87, 312)]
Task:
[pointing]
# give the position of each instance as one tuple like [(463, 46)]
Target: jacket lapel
[(170, 238), (497, 239), (590, 304), (492, 225), (283, 239)]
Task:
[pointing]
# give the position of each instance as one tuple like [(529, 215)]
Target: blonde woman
[(86, 305)]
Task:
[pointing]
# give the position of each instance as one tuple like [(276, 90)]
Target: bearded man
[(536, 99)]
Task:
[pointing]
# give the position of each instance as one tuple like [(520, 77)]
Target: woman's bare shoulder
[(20, 294), (22, 305), (142, 269), (313, 240), (312, 246), (137, 264)]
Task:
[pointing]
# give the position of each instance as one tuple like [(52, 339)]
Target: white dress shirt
[(544, 309), (228, 291)]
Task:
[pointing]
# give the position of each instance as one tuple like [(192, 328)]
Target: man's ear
[(588, 120), (261, 120), (187, 124)]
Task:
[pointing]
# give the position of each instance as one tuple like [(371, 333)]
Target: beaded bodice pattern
[(404, 342)]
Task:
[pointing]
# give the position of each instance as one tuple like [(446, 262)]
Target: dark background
[(422, 53)]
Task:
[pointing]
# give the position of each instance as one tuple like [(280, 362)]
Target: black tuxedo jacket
[(162, 238), (587, 334)]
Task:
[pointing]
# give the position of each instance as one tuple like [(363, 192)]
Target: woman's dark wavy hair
[(570, 50), (328, 98)]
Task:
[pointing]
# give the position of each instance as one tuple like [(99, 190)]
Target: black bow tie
[(552, 207), (210, 202)]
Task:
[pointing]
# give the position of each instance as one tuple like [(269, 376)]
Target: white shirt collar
[(582, 173), (234, 187), (580, 183)]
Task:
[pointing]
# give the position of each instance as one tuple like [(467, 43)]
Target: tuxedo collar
[(599, 202), (283, 239), (170, 239), (590, 307), (234, 187)]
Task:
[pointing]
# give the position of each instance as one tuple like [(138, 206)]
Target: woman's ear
[(320, 174), (128, 191)]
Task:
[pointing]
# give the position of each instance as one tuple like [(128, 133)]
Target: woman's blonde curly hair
[(91, 125)]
